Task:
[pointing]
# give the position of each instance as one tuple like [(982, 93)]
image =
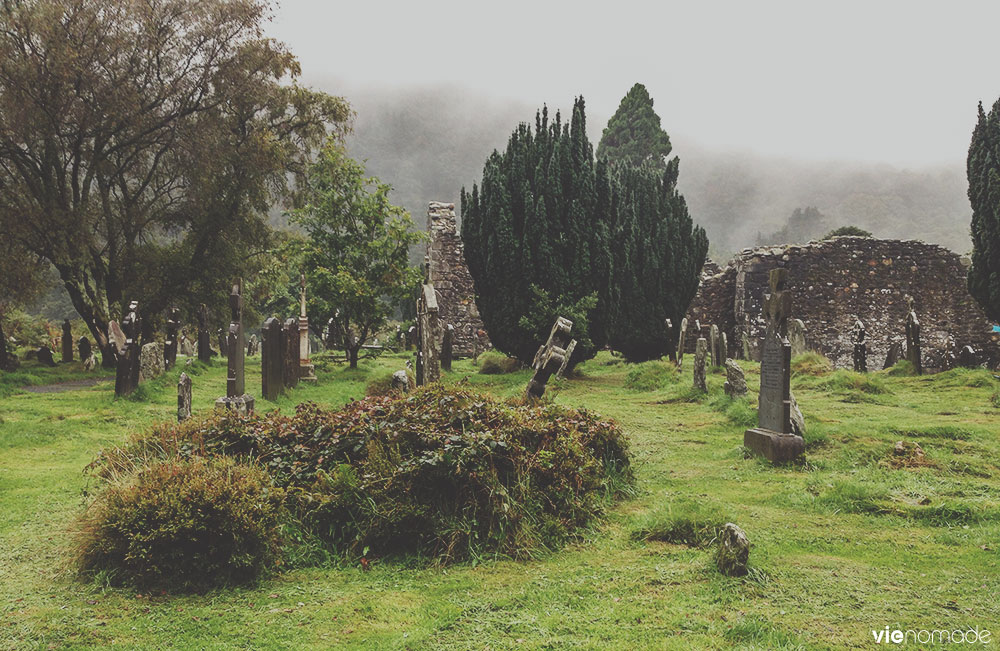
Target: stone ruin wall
[(713, 304), (835, 281), (452, 282)]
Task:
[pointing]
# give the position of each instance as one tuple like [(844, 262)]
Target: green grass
[(842, 544)]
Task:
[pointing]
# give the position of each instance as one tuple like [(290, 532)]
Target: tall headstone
[(127, 372), (204, 340), (551, 357), (913, 337), (307, 370), (700, 353), (773, 437), (429, 337), (67, 342), (171, 343), (797, 336), (446, 347), (236, 397), (860, 347), (183, 398), (681, 341), (893, 355), (290, 339), (272, 365), (713, 339), (723, 346)]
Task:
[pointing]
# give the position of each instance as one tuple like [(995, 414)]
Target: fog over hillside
[(428, 142)]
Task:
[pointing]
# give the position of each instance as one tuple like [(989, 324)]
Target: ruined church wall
[(835, 281), (713, 304), (453, 284)]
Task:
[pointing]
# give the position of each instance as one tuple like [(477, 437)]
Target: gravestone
[(551, 358), (967, 358), (747, 350), (44, 355), (734, 551), (90, 363), (170, 344), (272, 365), (724, 346), (446, 347), (307, 370), (223, 343), (893, 354), (116, 337), (401, 381), (185, 347), (860, 347), (67, 342), (713, 344), (671, 340), (127, 372), (183, 398), (204, 341), (236, 397), (150, 361), (290, 356), (736, 384), (681, 341), (568, 356), (252, 346), (773, 437), (700, 353), (84, 348), (428, 337), (419, 368), (913, 337), (797, 336)]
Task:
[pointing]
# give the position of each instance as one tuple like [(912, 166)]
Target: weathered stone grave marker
[(797, 336), (893, 354), (127, 372), (67, 342), (183, 398), (736, 384), (447, 346), (568, 356), (860, 347), (428, 337), (773, 437), (700, 353), (150, 361), (307, 370), (170, 344), (713, 343), (913, 337), (549, 358), (681, 341), (236, 397), (290, 340), (204, 341)]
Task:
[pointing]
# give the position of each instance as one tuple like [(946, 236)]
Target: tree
[(633, 135), (142, 142), (983, 169), (803, 224), (21, 279), (852, 231), (355, 254)]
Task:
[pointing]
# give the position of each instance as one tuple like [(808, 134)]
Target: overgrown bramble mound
[(442, 472)]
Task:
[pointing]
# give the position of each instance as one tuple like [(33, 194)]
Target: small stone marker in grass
[(700, 353), (734, 551), (860, 347), (913, 337), (183, 398), (736, 384)]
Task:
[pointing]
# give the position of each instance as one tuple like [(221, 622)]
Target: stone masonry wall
[(835, 281), (713, 304), (450, 276)]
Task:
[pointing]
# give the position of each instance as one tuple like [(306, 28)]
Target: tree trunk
[(97, 322), (352, 355)]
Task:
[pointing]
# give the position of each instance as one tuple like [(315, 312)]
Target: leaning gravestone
[(682, 335), (67, 342), (127, 373), (860, 347), (568, 356), (204, 340), (773, 437), (700, 352), (170, 345), (552, 355), (183, 398), (713, 344), (236, 397), (446, 347), (736, 384), (893, 354), (272, 360), (291, 348), (150, 361), (913, 338), (797, 336)]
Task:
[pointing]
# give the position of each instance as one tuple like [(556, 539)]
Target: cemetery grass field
[(855, 539)]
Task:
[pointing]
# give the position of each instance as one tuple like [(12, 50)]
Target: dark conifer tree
[(983, 168), (633, 135)]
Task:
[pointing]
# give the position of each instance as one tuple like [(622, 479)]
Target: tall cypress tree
[(633, 135), (983, 169)]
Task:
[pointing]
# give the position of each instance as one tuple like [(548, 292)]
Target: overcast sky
[(878, 81)]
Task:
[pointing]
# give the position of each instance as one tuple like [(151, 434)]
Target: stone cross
[(773, 437), (913, 337), (860, 347), (290, 340), (183, 398), (700, 353), (272, 365), (204, 340), (681, 341), (447, 346), (566, 359), (428, 337), (127, 373), (170, 345), (67, 342), (236, 397), (551, 357)]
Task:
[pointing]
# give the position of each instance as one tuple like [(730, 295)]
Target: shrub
[(183, 524), (685, 523), (650, 376), (443, 472), (902, 368), (848, 381), (811, 363), (847, 230), (494, 363)]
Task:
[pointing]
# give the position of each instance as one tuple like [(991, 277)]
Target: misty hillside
[(428, 143)]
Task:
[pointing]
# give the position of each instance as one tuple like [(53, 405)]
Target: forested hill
[(427, 143)]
